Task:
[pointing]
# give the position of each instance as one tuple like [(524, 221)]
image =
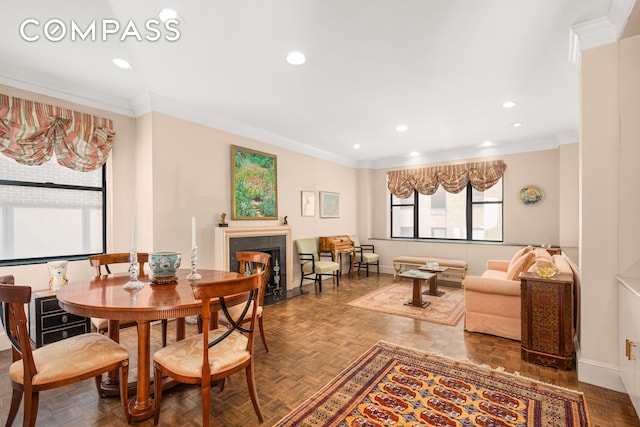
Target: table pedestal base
[(417, 300), (433, 281), (111, 387), (421, 303), (141, 411)]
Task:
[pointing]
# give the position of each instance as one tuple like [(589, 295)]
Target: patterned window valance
[(31, 132), (453, 178)]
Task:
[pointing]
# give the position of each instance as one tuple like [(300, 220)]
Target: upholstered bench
[(456, 269)]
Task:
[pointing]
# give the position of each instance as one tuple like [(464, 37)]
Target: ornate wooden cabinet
[(53, 323), (547, 319)]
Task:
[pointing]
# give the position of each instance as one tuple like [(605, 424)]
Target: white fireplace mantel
[(223, 234)]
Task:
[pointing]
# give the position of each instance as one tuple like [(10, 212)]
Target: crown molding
[(567, 138), (599, 31), (619, 14), (466, 153), (37, 83), (161, 104)]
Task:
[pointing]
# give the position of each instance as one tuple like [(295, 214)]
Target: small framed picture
[(329, 205), (308, 203)]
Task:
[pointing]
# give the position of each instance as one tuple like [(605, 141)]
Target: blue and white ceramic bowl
[(163, 265)]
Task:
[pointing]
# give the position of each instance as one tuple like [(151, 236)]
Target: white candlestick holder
[(194, 275), (133, 282)]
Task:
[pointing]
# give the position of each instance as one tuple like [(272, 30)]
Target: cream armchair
[(364, 255), (312, 265)]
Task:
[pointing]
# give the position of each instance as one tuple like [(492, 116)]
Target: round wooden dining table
[(106, 297)]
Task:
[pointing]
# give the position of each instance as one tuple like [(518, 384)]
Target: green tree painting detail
[(255, 194)]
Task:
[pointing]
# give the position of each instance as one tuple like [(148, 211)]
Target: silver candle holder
[(194, 275), (134, 268)]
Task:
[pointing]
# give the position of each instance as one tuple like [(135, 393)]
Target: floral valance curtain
[(453, 178), (31, 132)]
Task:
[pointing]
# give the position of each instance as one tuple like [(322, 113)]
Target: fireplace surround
[(273, 240)]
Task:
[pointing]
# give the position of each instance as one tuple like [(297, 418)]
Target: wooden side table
[(547, 319), (433, 283), (418, 277)]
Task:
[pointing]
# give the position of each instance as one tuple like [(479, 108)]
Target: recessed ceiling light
[(121, 63), (356, 146), (296, 58), (516, 124), (487, 143), (509, 104), (402, 128), (414, 154), (166, 14)]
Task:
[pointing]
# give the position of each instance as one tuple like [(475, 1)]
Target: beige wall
[(609, 212), (569, 200), (191, 177), (629, 153), (142, 180), (599, 162)]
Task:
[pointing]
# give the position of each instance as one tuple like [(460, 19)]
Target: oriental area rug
[(447, 309), (393, 385)]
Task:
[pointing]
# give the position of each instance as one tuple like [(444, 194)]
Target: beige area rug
[(447, 309)]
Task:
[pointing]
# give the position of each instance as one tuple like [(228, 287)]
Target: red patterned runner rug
[(393, 385)]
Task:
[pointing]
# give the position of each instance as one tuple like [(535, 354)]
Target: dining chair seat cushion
[(236, 310), (185, 357), (367, 257), (322, 267), (99, 323), (70, 358)]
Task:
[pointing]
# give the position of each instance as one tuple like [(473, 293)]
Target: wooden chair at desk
[(101, 262)]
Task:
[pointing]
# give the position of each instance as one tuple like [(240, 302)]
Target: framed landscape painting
[(254, 182), (329, 205)]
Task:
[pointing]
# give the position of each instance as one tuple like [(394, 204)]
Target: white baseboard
[(600, 374)]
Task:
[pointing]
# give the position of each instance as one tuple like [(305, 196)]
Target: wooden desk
[(418, 277), (338, 245), (105, 297)]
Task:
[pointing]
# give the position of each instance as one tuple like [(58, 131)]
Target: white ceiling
[(442, 67)]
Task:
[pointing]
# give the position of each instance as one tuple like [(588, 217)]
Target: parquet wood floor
[(312, 338)]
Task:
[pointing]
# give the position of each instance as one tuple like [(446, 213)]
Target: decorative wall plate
[(531, 195)]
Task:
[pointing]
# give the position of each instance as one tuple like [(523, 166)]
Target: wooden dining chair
[(251, 263), (101, 263), (55, 365), (214, 354)]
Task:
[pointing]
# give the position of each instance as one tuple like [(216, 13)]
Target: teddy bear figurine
[(57, 274)]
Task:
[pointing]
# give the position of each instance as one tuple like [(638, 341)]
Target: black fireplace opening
[(276, 246)]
